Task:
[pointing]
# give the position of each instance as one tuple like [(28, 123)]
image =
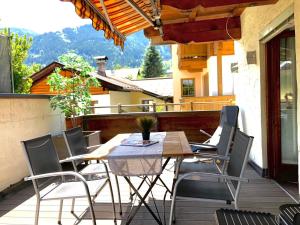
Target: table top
[(175, 145)]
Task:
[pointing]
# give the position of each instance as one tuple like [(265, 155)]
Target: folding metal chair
[(228, 115), (240, 217), (211, 163), (225, 188), (289, 215), (43, 162), (77, 145)]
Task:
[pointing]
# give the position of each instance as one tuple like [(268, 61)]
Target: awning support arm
[(106, 15), (139, 11), (103, 18)]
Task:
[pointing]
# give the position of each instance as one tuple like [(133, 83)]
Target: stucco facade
[(250, 82), (21, 119), (183, 74)]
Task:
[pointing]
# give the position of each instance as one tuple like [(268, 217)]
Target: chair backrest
[(225, 140), (229, 115), (75, 141), (76, 144), (239, 156), (41, 156)]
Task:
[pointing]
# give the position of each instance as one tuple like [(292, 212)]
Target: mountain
[(22, 32), (87, 42)]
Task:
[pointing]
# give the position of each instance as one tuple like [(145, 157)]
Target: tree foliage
[(73, 95), (152, 65), (20, 46)]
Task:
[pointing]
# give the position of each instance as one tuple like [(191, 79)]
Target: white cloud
[(39, 15)]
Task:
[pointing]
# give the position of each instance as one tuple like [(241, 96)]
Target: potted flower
[(146, 123)]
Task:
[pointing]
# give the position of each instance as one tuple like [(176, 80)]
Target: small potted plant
[(146, 123)]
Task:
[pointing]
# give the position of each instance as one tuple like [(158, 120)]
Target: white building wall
[(103, 100), (227, 76), (212, 75), (249, 83)]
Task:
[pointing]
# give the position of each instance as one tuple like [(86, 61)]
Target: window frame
[(183, 79)]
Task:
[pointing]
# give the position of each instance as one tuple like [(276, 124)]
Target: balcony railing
[(189, 122), (186, 104)]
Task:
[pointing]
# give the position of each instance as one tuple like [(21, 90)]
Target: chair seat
[(234, 217), (74, 189), (93, 168), (288, 212), (204, 190), (196, 166)]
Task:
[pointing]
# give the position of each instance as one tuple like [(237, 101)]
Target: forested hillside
[(88, 43)]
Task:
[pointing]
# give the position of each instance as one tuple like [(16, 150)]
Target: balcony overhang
[(167, 21)]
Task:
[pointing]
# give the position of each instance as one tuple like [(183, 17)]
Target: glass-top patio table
[(170, 145)]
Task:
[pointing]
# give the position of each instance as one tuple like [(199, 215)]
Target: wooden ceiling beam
[(203, 31), (199, 18), (188, 4)]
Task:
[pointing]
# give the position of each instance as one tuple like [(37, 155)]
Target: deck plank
[(259, 194)]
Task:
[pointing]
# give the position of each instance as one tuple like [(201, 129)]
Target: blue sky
[(39, 15)]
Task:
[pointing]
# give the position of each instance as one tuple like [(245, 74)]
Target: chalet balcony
[(17, 204)]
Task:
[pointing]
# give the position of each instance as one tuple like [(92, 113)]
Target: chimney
[(101, 63)]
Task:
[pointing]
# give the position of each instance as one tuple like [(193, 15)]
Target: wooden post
[(119, 108), (219, 68), (154, 107), (166, 107), (192, 108)]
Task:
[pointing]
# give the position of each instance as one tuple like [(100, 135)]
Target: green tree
[(152, 65), (73, 95), (20, 46)]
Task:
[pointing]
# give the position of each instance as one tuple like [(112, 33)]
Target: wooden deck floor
[(259, 194)]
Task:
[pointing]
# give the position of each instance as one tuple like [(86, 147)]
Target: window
[(188, 87), (147, 108)]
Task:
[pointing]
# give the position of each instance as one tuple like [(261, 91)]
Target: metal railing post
[(166, 107), (119, 108), (154, 107)]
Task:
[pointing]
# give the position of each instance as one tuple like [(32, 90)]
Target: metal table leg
[(142, 199)]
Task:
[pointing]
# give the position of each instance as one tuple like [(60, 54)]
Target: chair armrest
[(56, 174), (212, 156), (91, 131), (92, 147), (204, 132), (66, 173), (203, 145), (74, 158), (77, 157)]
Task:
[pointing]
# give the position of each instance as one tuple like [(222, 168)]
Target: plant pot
[(146, 135)]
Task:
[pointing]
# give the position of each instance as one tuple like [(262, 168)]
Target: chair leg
[(112, 199), (72, 206), (172, 211), (60, 211), (92, 210), (119, 194), (236, 204), (37, 212)]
